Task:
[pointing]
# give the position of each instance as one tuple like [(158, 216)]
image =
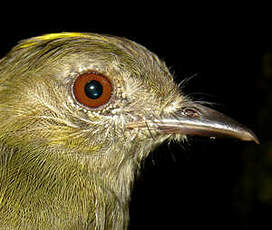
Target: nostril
[(190, 112)]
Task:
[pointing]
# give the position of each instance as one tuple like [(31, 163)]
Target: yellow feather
[(52, 36)]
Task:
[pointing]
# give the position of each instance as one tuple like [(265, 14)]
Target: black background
[(181, 186)]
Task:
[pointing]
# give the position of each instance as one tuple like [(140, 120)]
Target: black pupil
[(93, 89)]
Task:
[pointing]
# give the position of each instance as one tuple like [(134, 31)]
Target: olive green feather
[(62, 166)]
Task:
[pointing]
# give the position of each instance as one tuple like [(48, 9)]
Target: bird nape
[(79, 112)]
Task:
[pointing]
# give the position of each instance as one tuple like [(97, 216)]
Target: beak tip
[(256, 140), (250, 136)]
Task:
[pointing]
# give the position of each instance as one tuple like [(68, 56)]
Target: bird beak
[(196, 119)]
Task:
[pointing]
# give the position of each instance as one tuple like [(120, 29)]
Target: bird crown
[(47, 37)]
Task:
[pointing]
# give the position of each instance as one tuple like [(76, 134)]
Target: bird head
[(78, 113), (89, 95)]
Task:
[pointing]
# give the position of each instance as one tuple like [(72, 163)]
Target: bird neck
[(69, 182)]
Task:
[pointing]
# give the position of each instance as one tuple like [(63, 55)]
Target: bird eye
[(92, 90)]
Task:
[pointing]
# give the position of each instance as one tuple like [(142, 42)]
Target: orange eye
[(92, 90)]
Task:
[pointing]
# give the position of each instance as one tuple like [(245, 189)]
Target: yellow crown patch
[(32, 41)]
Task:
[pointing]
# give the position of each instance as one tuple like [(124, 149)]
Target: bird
[(79, 113)]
